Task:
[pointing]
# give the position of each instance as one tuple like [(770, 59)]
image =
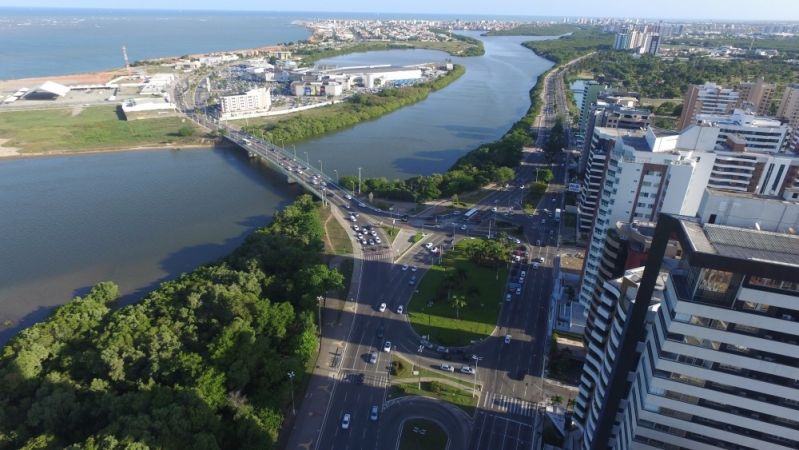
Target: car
[(371, 242), (553, 199), (442, 349), (361, 204), (412, 281), (377, 239), (355, 227), (540, 259), (382, 307), (463, 227), (538, 242), (507, 297), (400, 309), (387, 346), (372, 357), (446, 368), (543, 221), (348, 197), (428, 245), (360, 236), (413, 268), (494, 209), (536, 265), (425, 343), (404, 267), (518, 241), (523, 274), (468, 370), (507, 339), (373, 413), (345, 421), (518, 291)]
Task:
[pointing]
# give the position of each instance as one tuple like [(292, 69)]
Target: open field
[(92, 128), (337, 242), (461, 398), (431, 314)]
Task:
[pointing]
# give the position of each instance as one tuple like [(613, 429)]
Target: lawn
[(462, 398), (93, 128), (533, 197), (402, 369), (337, 241), (421, 434), (391, 233), (431, 314)]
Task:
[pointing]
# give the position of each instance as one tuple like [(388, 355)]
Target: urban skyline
[(780, 10)]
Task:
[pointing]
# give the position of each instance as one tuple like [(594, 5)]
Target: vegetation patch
[(459, 301), (421, 434), (94, 128), (201, 362), (337, 240), (356, 109), (572, 46), (461, 398), (531, 29)]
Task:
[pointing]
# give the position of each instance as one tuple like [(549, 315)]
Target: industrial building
[(253, 103), (49, 90), (317, 89), (372, 77), (148, 108)]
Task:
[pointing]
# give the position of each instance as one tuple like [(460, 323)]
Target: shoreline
[(18, 156)]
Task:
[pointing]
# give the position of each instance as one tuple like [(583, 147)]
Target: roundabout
[(394, 434)]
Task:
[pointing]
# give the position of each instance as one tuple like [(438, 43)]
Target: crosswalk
[(370, 379), (377, 256), (509, 405)]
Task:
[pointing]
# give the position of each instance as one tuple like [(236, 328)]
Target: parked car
[(507, 339), (467, 370), (404, 267), (387, 346), (540, 259), (442, 349), (518, 291), (446, 368), (400, 309), (507, 297), (382, 307), (413, 268)]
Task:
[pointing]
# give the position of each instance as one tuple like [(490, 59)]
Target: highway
[(509, 376)]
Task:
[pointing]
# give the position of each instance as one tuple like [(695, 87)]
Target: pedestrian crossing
[(509, 405), (377, 256), (370, 379)]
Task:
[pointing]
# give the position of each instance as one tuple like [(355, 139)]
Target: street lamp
[(359, 181), (335, 172), (295, 152), (307, 161), (291, 375), (319, 300), (321, 169), (476, 360)]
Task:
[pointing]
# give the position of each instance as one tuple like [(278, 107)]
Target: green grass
[(533, 197), (401, 368), (417, 237), (94, 128), (434, 437), (461, 398), (484, 295), (339, 241), (391, 232)]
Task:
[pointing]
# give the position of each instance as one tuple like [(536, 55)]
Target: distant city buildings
[(642, 40), (709, 98), (253, 103)]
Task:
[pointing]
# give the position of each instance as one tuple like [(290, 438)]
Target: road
[(509, 374)]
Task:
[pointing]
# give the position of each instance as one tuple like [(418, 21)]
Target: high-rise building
[(653, 46), (591, 91), (612, 111), (708, 98), (757, 96), (759, 133), (710, 345), (647, 173), (789, 112), (622, 41)]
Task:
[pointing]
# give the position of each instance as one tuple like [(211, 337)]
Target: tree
[(504, 174), (348, 182), (556, 400), (457, 302), (186, 131)]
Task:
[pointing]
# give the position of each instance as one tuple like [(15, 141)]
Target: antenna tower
[(125, 55)]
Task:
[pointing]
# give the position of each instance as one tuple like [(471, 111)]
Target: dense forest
[(655, 77), (199, 363), (356, 109), (572, 46), (555, 29)]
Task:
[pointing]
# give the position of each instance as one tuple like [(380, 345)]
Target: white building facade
[(253, 103)]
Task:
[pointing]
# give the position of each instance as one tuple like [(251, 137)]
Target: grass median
[(421, 434), (90, 128), (431, 311), (461, 398)]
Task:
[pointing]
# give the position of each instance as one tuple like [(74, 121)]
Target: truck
[(557, 214)]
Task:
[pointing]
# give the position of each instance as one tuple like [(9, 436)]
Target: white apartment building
[(760, 133), (711, 345), (659, 172), (789, 112), (708, 98), (253, 103)]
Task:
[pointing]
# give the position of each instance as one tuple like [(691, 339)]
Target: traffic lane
[(353, 399), (453, 420), (494, 432)]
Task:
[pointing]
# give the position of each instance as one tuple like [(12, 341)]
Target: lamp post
[(321, 169), (319, 300), (336, 173), (307, 161), (359, 181), (476, 360), (294, 147), (291, 375)]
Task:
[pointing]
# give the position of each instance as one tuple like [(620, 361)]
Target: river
[(138, 218)]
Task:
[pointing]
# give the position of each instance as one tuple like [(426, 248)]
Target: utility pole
[(321, 169), (291, 375), (476, 360), (127, 63), (359, 181), (295, 152), (319, 300)]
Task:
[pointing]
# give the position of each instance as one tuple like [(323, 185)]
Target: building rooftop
[(636, 142), (571, 262), (663, 132), (743, 244)]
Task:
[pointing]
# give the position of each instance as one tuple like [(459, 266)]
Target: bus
[(470, 213)]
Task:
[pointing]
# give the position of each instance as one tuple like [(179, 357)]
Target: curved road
[(452, 419)]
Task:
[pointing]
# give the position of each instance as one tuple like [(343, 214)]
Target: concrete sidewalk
[(312, 409)]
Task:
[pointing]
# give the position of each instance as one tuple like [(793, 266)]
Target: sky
[(782, 10)]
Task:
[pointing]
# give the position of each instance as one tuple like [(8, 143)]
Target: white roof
[(53, 87)]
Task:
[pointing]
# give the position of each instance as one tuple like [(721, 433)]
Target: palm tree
[(458, 302), (556, 400)]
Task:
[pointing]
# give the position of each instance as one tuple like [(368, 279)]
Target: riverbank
[(347, 114)]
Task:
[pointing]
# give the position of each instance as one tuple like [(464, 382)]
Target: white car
[(345, 421), (387, 346), (523, 274), (400, 309), (404, 267), (507, 297), (467, 370), (382, 307), (372, 357), (535, 265), (447, 368), (463, 227), (494, 209), (373, 415), (348, 197), (540, 259), (507, 339), (413, 268), (428, 246)]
